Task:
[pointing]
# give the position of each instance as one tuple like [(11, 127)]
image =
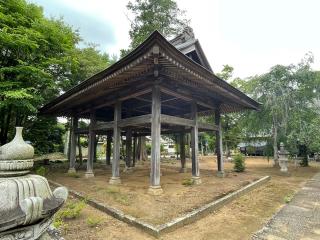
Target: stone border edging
[(175, 223)]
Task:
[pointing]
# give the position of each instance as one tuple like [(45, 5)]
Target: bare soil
[(237, 220)]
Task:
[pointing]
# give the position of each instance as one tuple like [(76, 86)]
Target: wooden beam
[(177, 120), (185, 97), (120, 96), (207, 127), (132, 121)]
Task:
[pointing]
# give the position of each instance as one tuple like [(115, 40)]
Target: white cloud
[(249, 35)]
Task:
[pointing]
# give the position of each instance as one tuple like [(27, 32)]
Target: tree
[(35, 55), (288, 110), (151, 15), (39, 60)]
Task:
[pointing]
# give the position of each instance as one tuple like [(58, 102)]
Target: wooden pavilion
[(161, 87)]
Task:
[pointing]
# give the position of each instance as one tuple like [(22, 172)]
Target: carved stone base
[(115, 180), (89, 175), (155, 190), (183, 170), (29, 232), (196, 180), (221, 174)]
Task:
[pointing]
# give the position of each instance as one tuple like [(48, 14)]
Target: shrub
[(239, 163), (288, 198), (187, 182), (93, 221), (72, 210), (42, 171), (73, 174)]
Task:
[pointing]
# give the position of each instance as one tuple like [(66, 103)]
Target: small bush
[(42, 171), (73, 174), (187, 182), (288, 198), (239, 163), (72, 210), (93, 222)]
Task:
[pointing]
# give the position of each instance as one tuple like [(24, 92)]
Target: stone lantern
[(27, 204), (283, 158)]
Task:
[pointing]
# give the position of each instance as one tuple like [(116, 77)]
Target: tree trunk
[(275, 146)]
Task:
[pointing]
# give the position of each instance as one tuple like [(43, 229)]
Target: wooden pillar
[(217, 118), (134, 150), (108, 149), (182, 152), (155, 187), (115, 179), (194, 145), (91, 145), (129, 148), (73, 145)]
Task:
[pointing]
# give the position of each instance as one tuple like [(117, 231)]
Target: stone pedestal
[(221, 174), (196, 180), (115, 180), (155, 190), (283, 159), (89, 175), (27, 204)]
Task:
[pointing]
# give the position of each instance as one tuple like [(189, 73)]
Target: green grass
[(73, 174), (187, 182), (118, 196), (288, 198), (93, 221)]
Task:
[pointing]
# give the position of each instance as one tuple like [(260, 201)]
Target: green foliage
[(239, 162), (288, 198), (42, 171), (71, 211), (187, 182), (73, 175), (39, 59), (150, 15), (93, 221), (118, 196)]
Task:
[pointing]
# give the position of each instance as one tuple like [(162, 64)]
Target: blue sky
[(250, 35)]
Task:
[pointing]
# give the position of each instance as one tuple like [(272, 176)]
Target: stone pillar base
[(89, 174), (115, 180), (183, 170), (221, 174), (196, 180), (155, 190), (72, 170)]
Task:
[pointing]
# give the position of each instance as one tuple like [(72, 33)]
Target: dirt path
[(237, 220), (300, 219)]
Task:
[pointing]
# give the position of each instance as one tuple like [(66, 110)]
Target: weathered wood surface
[(155, 136), (194, 141), (116, 141), (219, 150), (91, 143), (73, 143)]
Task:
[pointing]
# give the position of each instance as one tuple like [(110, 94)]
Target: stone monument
[(283, 159), (27, 204)]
